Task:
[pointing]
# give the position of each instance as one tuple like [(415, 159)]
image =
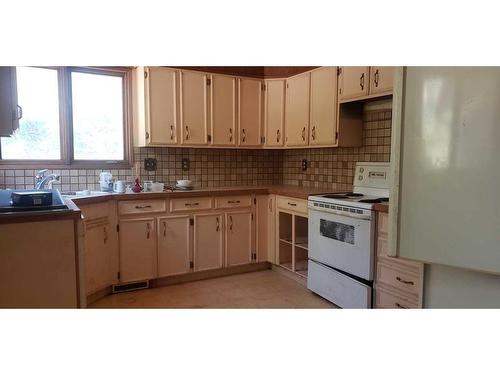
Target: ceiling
[(253, 71)]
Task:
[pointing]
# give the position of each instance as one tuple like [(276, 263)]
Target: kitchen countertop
[(381, 207)]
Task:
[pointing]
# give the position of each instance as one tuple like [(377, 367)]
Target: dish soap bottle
[(137, 187)]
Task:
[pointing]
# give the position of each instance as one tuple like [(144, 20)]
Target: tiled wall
[(330, 168)]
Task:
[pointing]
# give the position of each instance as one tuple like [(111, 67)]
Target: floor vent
[(131, 286)]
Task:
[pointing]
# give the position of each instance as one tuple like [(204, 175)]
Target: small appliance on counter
[(106, 182), (184, 185), (30, 200)]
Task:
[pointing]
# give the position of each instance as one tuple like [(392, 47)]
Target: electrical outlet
[(304, 165), (150, 164), (185, 164)]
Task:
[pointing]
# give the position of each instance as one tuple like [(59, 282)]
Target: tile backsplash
[(331, 168)]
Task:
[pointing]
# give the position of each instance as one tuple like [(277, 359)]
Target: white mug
[(119, 187)]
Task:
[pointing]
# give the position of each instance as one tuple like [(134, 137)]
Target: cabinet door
[(193, 108), (238, 238), (100, 257), (353, 82), (323, 124), (265, 225), (297, 110), (9, 110), (137, 249), (381, 79), (250, 112), (274, 112), (162, 94), (223, 110), (173, 245), (208, 242)]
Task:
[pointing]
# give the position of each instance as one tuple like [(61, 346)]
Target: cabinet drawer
[(95, 211), (386, 299), (405, 281), (189, 204), (292, 204), (383, 223), (142, 206), (233, 201)]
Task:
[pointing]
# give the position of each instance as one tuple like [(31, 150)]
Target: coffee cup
[(119, 186)]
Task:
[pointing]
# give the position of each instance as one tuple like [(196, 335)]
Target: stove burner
[(374, 200), (343, 195)]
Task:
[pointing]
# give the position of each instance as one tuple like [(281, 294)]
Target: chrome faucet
[(41, 179)]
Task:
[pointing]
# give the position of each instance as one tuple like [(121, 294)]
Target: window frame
[(67, 160)]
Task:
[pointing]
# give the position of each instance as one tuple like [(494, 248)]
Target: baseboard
[(188, 277)]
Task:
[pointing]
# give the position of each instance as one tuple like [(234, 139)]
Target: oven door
[(342, 242)]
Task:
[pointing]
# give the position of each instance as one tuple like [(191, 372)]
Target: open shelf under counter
[(302, 242), (286, 240), (301, 267)]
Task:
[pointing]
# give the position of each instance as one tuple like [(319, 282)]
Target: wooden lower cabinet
[(238, 238), (174, 245), (265, 228), (138, 259), (208, 247), (101, 256)]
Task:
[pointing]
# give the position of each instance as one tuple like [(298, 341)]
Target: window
[(73, 116)]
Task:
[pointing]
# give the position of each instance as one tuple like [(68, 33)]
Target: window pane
[(38, 133), (97, 116)]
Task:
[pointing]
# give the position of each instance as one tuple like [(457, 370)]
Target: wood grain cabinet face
[(208, 242), (238, 238), (265, 228), (162, 94), (381, 79), (138, 259), (250, 112), (223, 110), (174, 243), (297, 110), (354, 82), (193, 104), (274, 112), (9, 111), (323, 124)]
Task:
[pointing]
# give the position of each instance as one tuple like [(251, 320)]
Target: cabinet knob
[(304, 134), (217, 224), (313, 133), (278, 135), (105, 235), (164, 229), (376, 76), (362, 81), (230, 222), (403, 281), (230, 134), (148, 230), (187, 132), (243, 135), (171, 132)]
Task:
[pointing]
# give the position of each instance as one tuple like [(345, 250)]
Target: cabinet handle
[(191, 204), (230, 222), (244, 135), (230, 134), (399, 306), (148, 230), (313, 133), (270, 205), (233, 201), (19, 112), (292, 204), (105, 233), (278, 135), (171, 132), (217, 224), (404, 281), (362, 81), (143, 206), (376, 78), (304, 133), (164, 229), (187, 132)]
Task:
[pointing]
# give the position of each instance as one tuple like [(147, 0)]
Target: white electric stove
[(341, 238)]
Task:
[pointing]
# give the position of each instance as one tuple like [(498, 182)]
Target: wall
[(329, 168), (449, 287)]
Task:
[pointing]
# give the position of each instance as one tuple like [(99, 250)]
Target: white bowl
[(184, 183)]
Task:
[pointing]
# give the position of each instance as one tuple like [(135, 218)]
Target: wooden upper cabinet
[(138, 259), (10, 112), (250, 112), (208, 246), (193, 102), (297, 110), (354, 82), (381, 79), (223, 110), (162, 94), (323, 124), (174, 244), (274, 112), (238, 238)]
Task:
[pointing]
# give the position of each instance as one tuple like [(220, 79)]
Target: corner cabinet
[(297, 110), (193, 104), (250, 103), (274, 112), (10, 111), (223, 110)]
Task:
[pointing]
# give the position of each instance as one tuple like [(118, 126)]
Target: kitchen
[(296, 200)]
